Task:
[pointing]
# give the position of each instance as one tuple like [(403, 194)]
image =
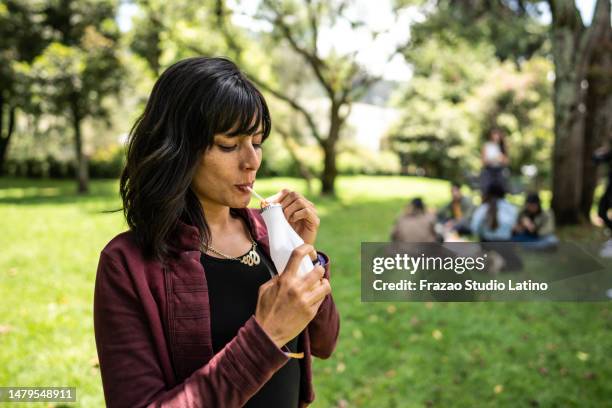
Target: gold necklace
[(250, 259)]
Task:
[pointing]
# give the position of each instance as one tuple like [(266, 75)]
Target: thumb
[(296, 258), (277, 197)]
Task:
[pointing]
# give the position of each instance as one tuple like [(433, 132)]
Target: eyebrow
[(252, 134)]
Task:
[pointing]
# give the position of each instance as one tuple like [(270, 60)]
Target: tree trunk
[(82, 168), (598, 124), (573, 47), (302, 168), (568, 149), (328, 177), (5, 137)]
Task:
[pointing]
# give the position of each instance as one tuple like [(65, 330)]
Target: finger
[(271, 282), (317, 305), (305, 214), (296, 205), (278, 196), (295, 259), (289, 198), (312, 278), (319, 293)]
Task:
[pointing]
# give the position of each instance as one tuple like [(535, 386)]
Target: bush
[(61, 169), (108, 162), (364, 161), (105, 163)]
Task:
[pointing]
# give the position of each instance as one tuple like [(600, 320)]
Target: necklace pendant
[(252, 258)]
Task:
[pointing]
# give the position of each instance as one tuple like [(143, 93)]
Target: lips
[(244, 188)]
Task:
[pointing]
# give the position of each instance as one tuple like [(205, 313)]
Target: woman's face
[(496, 136), (226, 168)]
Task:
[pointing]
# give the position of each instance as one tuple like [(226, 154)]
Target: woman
[(183, 316), (494, 219), (494, 156)]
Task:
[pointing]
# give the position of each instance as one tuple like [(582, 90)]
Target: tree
[(78, 70), (578, 54), (147, 32), (340, 77), (460, 90), (574, 47), (21, 39), (598, 123), (438, 131)]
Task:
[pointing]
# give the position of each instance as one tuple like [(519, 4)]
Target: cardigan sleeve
[(131, 373), (325, 326)]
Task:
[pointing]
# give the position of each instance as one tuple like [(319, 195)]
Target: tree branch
[(597, 29), (295, 105), (237, 49), (291, 148), (311, 57), (314, 25)]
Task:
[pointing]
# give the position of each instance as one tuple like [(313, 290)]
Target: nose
[(250, 159)]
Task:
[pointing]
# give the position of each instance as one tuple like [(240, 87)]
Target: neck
[(217, 216)]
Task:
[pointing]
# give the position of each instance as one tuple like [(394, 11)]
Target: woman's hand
[(300, 213), (288, 302)]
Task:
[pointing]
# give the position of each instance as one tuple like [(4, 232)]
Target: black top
[(232, 292)]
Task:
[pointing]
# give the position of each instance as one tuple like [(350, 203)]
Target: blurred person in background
[(457, 214), (494, 219), (535, 226), (493, 222), (415, 224), (603, 155), (494, 155)]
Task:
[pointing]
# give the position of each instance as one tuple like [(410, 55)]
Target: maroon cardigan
[(152, 328)]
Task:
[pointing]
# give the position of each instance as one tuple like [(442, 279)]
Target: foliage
[(364, 161), (63, 76), (108, 162), (513, 27), (456, 94)]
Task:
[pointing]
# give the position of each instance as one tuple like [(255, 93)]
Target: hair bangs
[(241, 110)]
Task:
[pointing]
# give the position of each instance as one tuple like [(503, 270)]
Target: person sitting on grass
[(415, 224), (457, 214), (535, 226), (492, 222), (494, 219)]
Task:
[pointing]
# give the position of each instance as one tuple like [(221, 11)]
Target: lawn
[(388, 354)]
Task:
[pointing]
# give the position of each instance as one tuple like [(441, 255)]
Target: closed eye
[(227, 148)]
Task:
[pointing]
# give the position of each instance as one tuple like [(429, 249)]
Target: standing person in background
[(415, 224), (457, 214), (604, 155), (535, 226), (495, 161)]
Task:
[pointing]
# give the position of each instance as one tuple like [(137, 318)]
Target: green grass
[(388, 354)]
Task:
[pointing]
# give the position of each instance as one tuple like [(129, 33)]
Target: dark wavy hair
[(193, 100), (495, 192)]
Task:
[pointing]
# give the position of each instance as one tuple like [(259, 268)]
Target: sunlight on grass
[(388, 354)]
